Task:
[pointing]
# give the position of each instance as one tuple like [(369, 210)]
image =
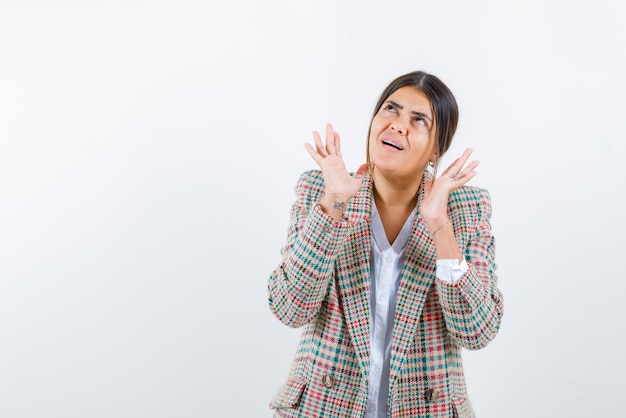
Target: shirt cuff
[(450, 270)]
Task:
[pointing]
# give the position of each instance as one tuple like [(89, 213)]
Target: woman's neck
[(394, 202), (395, 194)]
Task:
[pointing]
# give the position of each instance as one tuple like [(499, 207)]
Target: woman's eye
[(390, 108), (420, 121)]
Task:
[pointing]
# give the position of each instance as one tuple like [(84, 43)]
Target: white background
[(148, 153)]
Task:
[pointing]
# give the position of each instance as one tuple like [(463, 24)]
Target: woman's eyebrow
[(416, 113)]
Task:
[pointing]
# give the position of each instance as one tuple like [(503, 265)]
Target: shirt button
[(467, 288), (387, 259), (326, 229), (328, 381)]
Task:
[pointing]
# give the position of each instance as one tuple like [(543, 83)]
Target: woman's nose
[(399, 125)]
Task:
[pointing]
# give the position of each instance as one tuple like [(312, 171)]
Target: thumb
[(428, 185), (360, 173)]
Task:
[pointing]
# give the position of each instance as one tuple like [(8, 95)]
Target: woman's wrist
[(434, 225), (433, 231), (334, 206), (444, 240)]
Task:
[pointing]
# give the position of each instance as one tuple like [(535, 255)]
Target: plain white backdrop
[(148, 153)]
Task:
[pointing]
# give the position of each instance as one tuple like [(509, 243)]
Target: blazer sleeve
[(472, 306), (300, 283)]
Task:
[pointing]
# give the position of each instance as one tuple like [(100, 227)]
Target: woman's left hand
[(434, 207)]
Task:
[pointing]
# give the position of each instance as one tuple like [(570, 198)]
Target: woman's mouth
[(392, 144)]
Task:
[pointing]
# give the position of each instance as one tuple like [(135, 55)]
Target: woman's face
[(402, 134)]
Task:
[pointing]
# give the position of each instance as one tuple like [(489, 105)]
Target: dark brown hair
[(443, 105)]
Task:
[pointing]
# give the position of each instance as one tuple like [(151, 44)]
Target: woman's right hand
[(339, 185)]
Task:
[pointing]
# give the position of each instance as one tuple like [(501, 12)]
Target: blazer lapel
[(353, 273), (417, 276)]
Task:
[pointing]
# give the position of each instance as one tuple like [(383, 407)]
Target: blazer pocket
[(289, 394), (462, 407)]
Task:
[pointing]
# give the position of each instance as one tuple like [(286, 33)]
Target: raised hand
[(339, 185), (434, 207)]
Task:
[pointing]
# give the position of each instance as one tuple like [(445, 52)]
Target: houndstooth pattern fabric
[(322, 285)]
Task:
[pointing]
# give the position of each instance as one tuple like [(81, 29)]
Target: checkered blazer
[(322, 284)]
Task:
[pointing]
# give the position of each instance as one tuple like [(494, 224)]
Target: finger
[(466, 175), (471, 166), (313, 153), (451, 167), (460, 162), (338, 145), (460, 181), (455, 169), (460, 176), (321, 150), (330, 139)]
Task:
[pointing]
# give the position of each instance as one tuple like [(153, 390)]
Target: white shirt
[(386, 266)]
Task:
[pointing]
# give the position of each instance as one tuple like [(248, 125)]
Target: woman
[(389, 272)]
